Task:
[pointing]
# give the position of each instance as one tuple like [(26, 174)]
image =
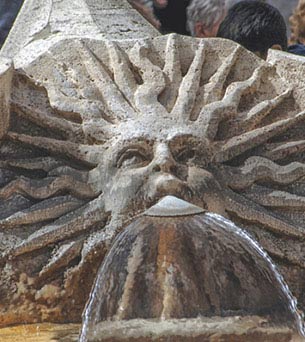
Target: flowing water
[(232, 228), (226, 229)]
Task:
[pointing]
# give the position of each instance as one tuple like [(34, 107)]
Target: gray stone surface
[(6, 74)]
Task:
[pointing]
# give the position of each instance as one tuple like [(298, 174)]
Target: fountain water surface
[(177, 263)]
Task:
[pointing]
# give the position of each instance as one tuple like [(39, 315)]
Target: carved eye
[(132, 158), (185, 155)]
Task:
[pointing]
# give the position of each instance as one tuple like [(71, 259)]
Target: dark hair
[(173, 16), (255, 25)]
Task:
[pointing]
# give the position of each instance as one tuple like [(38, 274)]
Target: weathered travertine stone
[(292, 68), (6, 74), (101, 129), (42, 19)]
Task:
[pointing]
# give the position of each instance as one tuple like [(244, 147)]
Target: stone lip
[(171, 206), (249, 328)]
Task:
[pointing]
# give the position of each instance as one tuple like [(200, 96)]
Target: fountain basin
[(237, 329)]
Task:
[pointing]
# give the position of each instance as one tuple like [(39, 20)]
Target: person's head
[(255, 25), (205, 16)]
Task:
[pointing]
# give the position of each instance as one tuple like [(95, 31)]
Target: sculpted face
[(140, 171)]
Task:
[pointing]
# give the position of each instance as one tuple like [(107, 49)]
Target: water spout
[(178, 262)]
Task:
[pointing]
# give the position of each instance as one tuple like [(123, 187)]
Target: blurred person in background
[(205, 16), (166, 15), (145, 8), (172, 15), (231, 3), (297, 38), (297, 22), (284, 6), (255, 25)]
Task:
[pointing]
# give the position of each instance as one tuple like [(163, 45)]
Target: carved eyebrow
[(140, 146), (123, 144), (181, 136), (183, 141)]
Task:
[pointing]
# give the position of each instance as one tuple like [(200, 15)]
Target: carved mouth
[(167, 184)]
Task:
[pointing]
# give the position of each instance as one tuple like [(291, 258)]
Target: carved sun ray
[(73, 223)]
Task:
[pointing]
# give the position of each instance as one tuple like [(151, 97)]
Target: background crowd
[(256, 24)]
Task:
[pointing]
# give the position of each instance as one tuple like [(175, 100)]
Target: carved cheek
[(127, 181), (207, 191)]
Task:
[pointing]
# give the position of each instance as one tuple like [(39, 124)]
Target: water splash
[(292, 301), (90, 309)]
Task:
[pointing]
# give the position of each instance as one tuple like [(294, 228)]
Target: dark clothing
[(297, 49), (8, 13), (173, 16)]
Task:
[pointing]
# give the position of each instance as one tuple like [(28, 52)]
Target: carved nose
[(164, 160)]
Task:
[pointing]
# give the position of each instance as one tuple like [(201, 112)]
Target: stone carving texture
[(40, 20), (100, 130)]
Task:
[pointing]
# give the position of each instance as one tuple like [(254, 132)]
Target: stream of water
[(227, 232), (232, 228)]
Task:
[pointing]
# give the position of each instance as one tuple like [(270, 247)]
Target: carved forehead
[(166, 79), (155, 129)]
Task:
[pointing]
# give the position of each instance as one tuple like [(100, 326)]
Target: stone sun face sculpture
[(96, 140)]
